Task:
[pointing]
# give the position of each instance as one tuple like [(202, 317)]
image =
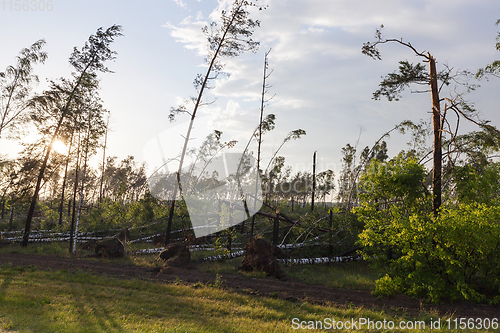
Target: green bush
[(453, 256)]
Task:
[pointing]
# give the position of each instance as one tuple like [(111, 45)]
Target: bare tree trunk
[(80, 206), (61, 205), (83, 185), (314, 182), (75, 189), (11, 214), (259, 143), (103, 161), (276, 229), (436, 122)]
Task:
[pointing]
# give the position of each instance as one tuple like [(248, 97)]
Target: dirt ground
[(289, 289)]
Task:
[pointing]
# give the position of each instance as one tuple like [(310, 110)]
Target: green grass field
[(33, 300)]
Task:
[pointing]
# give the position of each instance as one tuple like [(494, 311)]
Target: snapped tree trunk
[(259, 143), (436, 124)]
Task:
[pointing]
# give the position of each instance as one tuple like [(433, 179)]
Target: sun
[(59, 147)]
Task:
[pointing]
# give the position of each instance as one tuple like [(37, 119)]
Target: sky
[(321, 81)]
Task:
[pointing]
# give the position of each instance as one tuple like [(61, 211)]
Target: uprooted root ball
[(260, 255)]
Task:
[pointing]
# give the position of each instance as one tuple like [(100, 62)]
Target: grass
[(53, 249), (350, 275), (229, 267), (33, 300)]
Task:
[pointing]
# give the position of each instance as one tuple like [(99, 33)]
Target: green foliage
[(394, 83), (396, 183), (117, 215), (455, 255), (480, 184), (15, 85), (477, 146), (218, 283), (494, 67)]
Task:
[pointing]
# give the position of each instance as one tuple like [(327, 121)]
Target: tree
[(348, 176), (86, 63), (15, 85), (263, 102), (393, 84), (326, 184), (229, 39)]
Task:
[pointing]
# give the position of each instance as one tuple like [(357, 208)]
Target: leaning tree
[(15, 85), (229, 38), (86, 63)]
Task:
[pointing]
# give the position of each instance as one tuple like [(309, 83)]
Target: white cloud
[(322, 81), (180, 3), (189, 33)]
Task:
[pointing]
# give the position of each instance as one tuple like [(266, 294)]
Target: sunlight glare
[(59, 147)]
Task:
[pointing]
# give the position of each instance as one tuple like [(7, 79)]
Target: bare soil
[(289, 289)]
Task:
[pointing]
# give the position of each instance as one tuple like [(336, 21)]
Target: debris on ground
[(110, 248), (176, 255), (260, 255)]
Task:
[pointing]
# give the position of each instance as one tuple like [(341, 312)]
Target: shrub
[(455, 255)]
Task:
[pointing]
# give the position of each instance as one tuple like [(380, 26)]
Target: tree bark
[(436, 124), (103, 162), (11, 214), (75, 188), (83, 186), (61, 205), (314, 182)]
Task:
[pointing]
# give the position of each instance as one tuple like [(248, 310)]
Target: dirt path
[(291, 290)]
